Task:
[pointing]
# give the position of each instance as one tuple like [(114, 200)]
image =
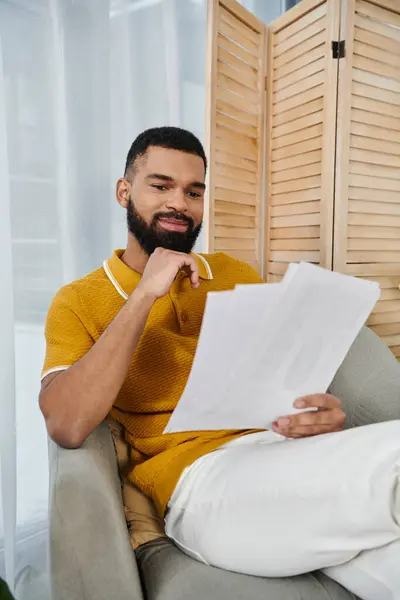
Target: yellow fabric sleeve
[(67, 336)]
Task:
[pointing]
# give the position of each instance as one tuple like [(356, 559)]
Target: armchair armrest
[(368, 382), (90, 553)]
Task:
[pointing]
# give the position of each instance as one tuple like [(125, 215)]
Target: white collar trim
[(114, 281), (205, 263)]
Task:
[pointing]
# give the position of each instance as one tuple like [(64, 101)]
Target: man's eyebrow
[(198, 184), (160, 176)]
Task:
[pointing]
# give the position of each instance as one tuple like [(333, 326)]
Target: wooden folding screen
[(367, 200), (301, 124), (235, 131), (332, 123)]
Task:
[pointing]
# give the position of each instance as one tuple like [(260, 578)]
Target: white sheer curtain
[(79, 79), (55, 213)]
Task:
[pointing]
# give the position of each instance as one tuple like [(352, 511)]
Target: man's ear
[(123, 191)]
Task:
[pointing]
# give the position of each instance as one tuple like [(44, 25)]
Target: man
[(122, 341)]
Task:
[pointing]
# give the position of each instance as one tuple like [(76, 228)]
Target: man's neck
[(134, 256)]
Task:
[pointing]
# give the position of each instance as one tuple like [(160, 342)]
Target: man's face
[(166, 200)]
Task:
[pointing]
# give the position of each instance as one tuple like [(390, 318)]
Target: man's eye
[(160, 187), (194, 194)]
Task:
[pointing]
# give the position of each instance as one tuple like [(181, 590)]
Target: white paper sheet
[(230, 323), (263, 346)]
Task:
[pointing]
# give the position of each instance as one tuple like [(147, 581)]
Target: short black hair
[(174, 138)]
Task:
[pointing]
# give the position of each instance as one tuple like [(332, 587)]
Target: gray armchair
[(91, 555)]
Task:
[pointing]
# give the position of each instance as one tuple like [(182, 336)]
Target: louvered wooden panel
[(367, 203), (235, 131), (301, 121)]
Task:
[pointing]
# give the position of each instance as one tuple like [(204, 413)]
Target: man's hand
[(328, 418), (162, 268)]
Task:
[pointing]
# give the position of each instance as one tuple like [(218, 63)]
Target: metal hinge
[(338, 49)]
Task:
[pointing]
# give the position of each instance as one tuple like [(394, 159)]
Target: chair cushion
[(168, 574)]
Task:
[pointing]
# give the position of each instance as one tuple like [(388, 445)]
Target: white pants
[(268, 506)]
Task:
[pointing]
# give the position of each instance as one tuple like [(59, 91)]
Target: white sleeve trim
[(55, 370)]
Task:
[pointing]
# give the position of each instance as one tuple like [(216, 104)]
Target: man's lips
[(174, 225)]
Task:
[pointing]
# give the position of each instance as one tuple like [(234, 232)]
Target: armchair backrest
[(368, 382)]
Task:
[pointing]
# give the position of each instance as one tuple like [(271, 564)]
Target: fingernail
[(299, 404), (283, 422)]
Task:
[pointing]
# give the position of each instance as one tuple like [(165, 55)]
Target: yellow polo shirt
[(82, 310)]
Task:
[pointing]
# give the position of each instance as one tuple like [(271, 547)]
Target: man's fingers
[(194, 278), (308, 419), (189, 264), (194, 275), (321, 401), (302, 432), (328, 417), (312, 423)]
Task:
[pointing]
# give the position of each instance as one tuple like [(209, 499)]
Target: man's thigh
[(283, 508)]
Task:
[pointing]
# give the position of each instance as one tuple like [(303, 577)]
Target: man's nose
[(177, 201)]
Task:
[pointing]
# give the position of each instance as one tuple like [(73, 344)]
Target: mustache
[(176, 216)]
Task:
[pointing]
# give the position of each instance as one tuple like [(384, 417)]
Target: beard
[(151, 237)]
